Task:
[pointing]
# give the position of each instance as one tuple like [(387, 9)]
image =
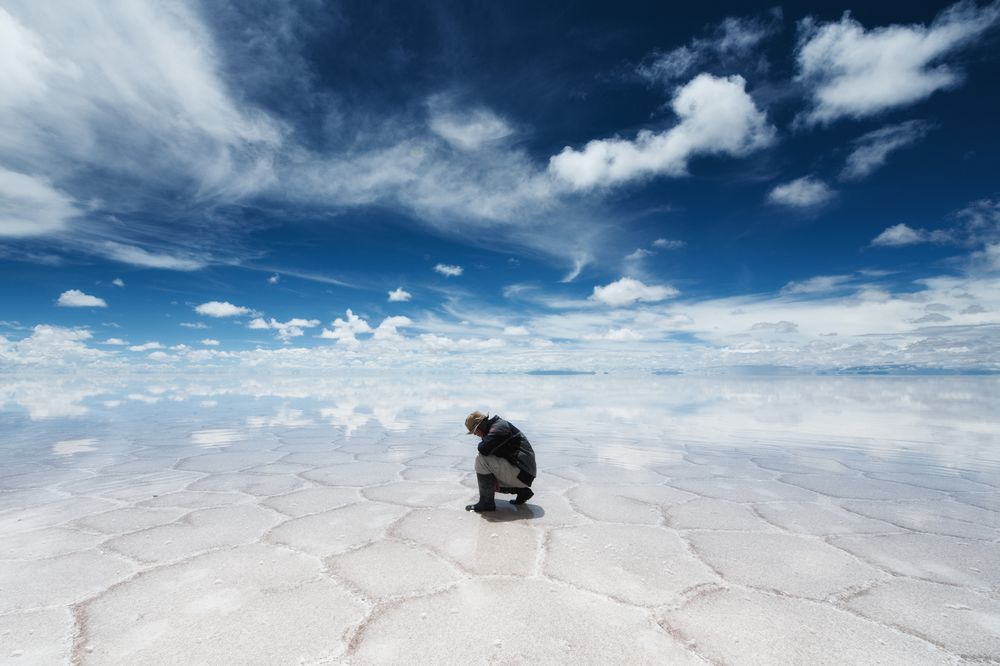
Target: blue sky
[(515, 185)]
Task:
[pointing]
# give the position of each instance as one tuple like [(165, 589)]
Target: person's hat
[(473, 420)]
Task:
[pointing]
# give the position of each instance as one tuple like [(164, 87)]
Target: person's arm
[(501, 440)]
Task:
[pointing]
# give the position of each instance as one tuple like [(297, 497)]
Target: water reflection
[(949, 418)]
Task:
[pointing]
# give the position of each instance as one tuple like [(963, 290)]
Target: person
[(505, 463)]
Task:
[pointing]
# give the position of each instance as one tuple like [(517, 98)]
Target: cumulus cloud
[(118, 282), (54, 346), (389, 328), (668, 244), (196, 324), (345, 331), (74, 298), (900, 234), (274, 279), (805, 192), (716, 117), (293, 328), (399, 295), (515, 330), (221, 309), (853, 72), (117, 342), (629, 290), (622, 334), (872, 150), (210, 342), (146, 347), (434, 342), (30, 205), (448, 270)]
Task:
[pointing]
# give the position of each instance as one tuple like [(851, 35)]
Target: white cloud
[(118, 282), (221, 309), (900, 234), (388, 329), (732, 43), (668, 244), (432, 342), (54, 346), (775, 327), (399, 295), (131, 89), (30, 205), (159, 356), (639, 253), (853, 72), (448, 270), (873, 149), (656, 245), (345, 331), (293, 328), (210, 342), (816, 285), (515, 331), (118, 342), (805, 192), (197, 324), (978, 226), (628, 290), (465, 129), (623, 334), (136, 256), (717, 117), (74, 298), (274, 279), (146, 347)]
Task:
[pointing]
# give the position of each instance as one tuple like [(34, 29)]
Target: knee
[(481, 467)]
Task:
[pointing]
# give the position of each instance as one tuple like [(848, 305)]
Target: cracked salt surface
[(675, 520)]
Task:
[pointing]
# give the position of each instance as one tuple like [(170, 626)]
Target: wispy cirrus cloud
[(732, 44), (872, 150)]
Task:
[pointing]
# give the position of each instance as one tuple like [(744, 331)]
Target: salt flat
[(676, 520)]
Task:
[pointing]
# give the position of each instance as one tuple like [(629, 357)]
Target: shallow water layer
[(308, 519)]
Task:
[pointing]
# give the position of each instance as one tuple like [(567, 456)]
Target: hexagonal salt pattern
[(328, 536)]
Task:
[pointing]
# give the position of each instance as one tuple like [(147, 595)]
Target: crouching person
[(505, 464)]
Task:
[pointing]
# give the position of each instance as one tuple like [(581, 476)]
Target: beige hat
[(473, 420)]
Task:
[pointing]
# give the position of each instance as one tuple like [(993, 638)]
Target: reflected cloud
[(68, 447), (215, 437)]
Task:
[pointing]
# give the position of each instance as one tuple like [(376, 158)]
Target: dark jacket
[(505, 441)]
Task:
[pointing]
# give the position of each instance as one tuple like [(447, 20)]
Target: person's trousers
[(505, 471)]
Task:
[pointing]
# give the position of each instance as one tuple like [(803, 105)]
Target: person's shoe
[(523, 495), (487, 488)]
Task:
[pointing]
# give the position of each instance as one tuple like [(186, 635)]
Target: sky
[(499, 186)]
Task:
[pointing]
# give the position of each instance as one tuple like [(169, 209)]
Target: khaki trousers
[(505, 471)]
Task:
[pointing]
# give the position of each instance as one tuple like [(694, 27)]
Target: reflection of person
[(506, 461)]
